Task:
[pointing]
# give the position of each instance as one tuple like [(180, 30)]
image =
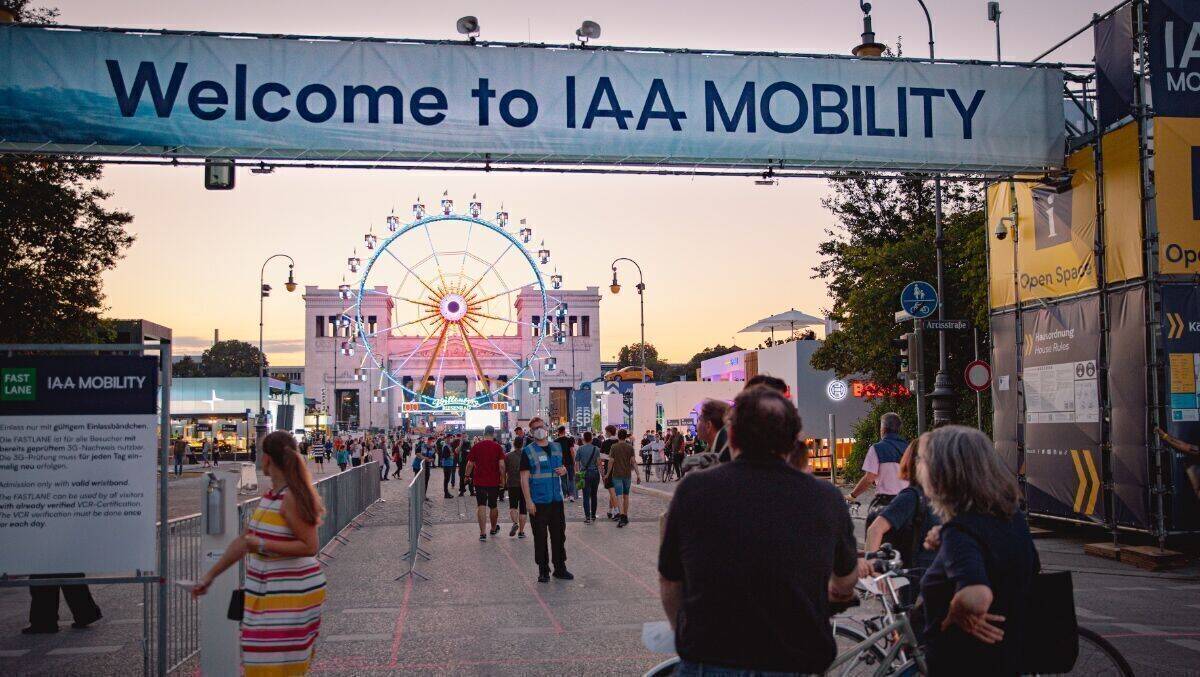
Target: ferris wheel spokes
[(433, 358), (489, 269), (470, 325), (412, 272)]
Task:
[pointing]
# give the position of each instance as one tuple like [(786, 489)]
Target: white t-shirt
[(887, 475)]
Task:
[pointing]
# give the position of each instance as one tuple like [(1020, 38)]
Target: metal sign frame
[(163, 536)]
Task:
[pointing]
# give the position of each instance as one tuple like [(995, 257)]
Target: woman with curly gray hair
[(977, 590)]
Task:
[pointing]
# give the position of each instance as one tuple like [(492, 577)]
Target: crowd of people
[(747, 503)]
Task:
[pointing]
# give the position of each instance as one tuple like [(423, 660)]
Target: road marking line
[(522, 574), (84, 650), (1090, 615), (370, 610), (356, 638), (400, 618), (1192, 644), (1139, 628), (13, 653)]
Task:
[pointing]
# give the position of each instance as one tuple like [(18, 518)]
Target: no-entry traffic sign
[(978, 375)]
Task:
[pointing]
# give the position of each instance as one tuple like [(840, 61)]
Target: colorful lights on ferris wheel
[(476, 207), (354, 262), (447, 203), (418, 209), (544, 254), (526, 232), (393, 221)]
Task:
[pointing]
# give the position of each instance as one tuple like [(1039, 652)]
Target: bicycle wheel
[(665, 668), (1098, 657), (865, 663)]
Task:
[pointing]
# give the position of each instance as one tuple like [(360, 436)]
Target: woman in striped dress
[(285, 585)]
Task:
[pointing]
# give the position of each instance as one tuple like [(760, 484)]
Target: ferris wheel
[(453, 280)]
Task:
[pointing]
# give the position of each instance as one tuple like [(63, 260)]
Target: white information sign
[(1062, 393), (78, 491)]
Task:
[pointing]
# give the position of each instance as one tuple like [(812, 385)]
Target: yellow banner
[(1177, 188), (1057, 230), (1122, 205)]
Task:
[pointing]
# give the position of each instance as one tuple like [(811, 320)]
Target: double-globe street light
[(264, 290), (615, 288)]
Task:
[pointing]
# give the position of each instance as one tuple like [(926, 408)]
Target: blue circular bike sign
[(919, 299)]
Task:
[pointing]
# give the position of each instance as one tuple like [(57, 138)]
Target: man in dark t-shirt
[(753, 550), (610, 438), (567, 443), (485, 468)]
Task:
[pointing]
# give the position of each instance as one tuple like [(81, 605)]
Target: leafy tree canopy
[(231, 358)]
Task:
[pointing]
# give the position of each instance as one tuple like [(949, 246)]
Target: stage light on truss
[(556, 280), (418, 209), (369, 239), (447, 203), (393, 222), (502, 217), (551, 363), (476, 207), (526, 232), (354, 262), (544, 254)]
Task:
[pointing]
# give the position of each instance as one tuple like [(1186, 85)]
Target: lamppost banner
[(1174, 57), (160, 94)]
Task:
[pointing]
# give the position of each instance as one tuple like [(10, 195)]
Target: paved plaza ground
[(482, 612)]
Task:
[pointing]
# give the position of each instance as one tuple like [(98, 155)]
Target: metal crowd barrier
[(417, 521), (346, 495)]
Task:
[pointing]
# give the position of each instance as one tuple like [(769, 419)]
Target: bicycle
[(1096, 655), (890, 646)]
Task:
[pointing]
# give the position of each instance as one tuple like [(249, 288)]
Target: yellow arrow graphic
[(1095, 487), (1028, 345), (1177, 325), (1082, 489)]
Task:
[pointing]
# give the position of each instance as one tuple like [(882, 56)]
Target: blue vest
[(544, 485), (890, 448)]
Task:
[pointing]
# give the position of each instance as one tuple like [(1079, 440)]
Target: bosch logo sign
[(837, 390)]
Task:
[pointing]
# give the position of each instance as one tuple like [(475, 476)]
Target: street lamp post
[(615, 288), (264, 290), (942, 396)]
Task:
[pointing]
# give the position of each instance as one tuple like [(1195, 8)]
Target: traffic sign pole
[(919, 376), (978, 394)]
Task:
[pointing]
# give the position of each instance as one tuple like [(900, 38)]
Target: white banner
[(153, 94)]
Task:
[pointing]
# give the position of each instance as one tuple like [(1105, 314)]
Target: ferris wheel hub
[(453, 307)]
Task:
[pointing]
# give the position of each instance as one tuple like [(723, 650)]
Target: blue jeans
[(178, 465), (591, 485), (690, 669), (568, 483)]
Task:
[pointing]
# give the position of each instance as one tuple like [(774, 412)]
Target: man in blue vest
[(541, 470)]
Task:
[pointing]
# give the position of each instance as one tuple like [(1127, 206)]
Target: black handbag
[(237, 605)]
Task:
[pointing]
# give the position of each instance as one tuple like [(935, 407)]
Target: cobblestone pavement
[(482, 613)]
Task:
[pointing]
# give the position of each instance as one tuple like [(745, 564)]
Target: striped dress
[(283, 600)]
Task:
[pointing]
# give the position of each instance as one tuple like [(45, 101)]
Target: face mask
[(541, 434)]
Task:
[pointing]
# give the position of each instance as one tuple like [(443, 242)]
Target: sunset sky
[(718, 253)]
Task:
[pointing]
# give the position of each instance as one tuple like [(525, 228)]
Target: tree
[(231, 358), (187, 367), (883, 241), (56, 240), (631, 355), (32, 15)]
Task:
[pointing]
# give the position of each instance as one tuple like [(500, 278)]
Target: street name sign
[(947, 325)]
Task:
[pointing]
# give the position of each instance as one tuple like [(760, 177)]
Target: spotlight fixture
[(588, 30), (468, 26)]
